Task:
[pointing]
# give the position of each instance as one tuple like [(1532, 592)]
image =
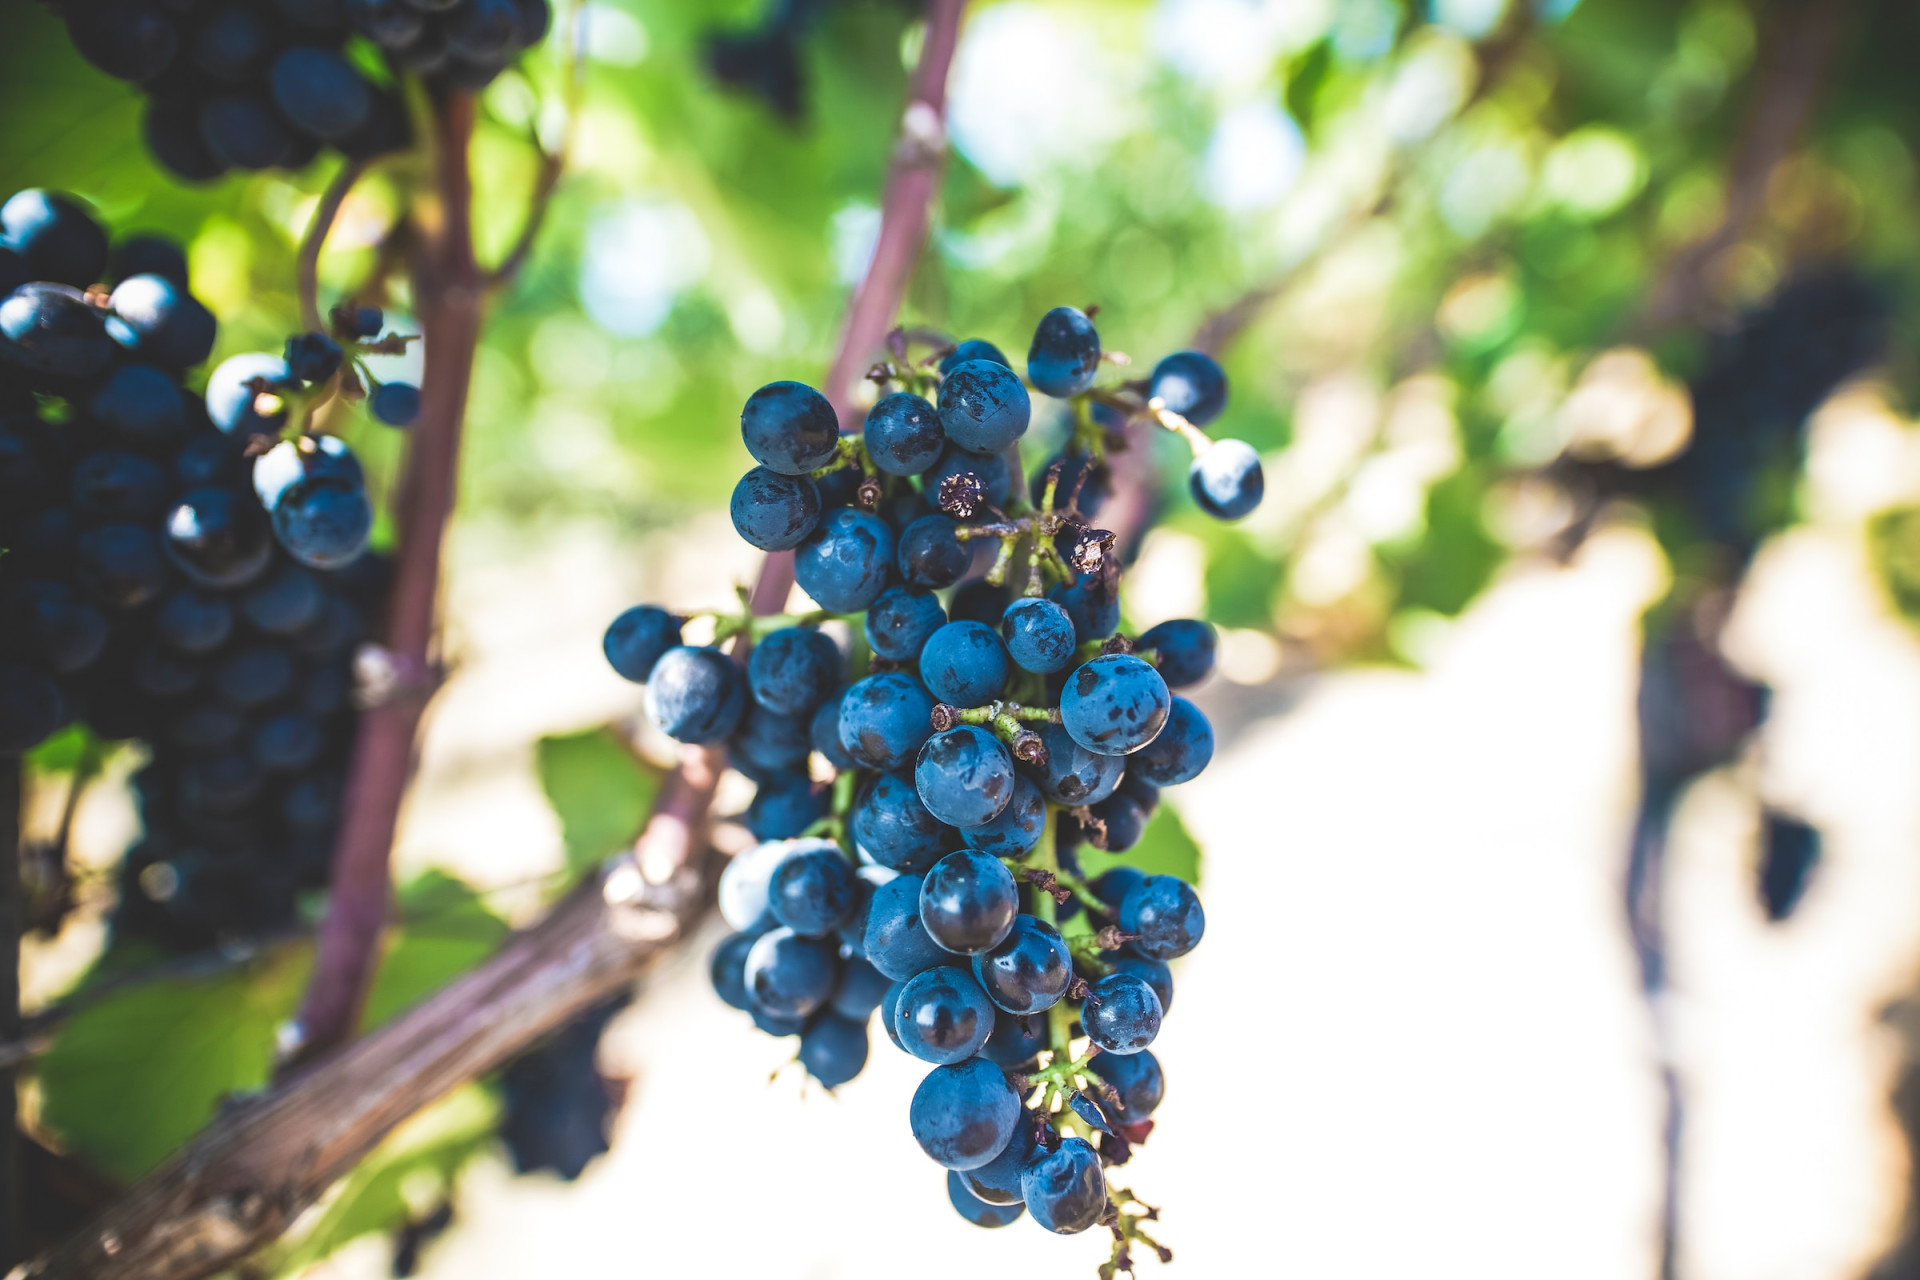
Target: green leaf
[(132, 1077), (1165, 849), (599, 790), (400, 1178), (446, 931)]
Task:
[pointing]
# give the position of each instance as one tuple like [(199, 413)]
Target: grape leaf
[(599, 790)]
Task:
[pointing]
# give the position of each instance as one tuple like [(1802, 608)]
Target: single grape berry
[(903, 434), (989, 470), (942, 1015), (931, 554), (789, 428), (824, 731), (792, 669), (1029, 970), (964, 776), (695, 695), (728, 969), (51, 331), (998, 1180), (968, 902), (56, 235), (1137, 1078), (1122, 1013), (965, 1114), (984, 406), (747, 883), (978, 1211), (894, 829), (1183, 650), (194, 622), (319, 91), (1182, 749), (120, 565), (1065, 353), (1122, 820), (774, 512), (1191, 384), (1039, 635), (884, 719), (312, 357), (861, 989), (233, 402), (844, 563), (964, 664), (789, 976), (1015, 1043), (66, 632), (1073, 775), (1154, 973), (1016, 828), (1166, 915), (812, 892), (395, 403), (110, 485), (638, 638), (897, 943), (141, 405), (148, 255), (1114, 704), (1065, 1190), (834, 1049), (1092, 604), (1226, 480), (900, 620), (286, 602), (973, 349), (786, 805)]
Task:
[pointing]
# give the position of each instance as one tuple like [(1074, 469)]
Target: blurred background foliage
[(1459, 259)]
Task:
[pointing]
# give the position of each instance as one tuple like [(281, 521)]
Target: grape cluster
[(990, 733), (149, 592), (263, 84)]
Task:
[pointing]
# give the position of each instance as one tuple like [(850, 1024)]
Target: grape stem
[(1038, 529), (1127, 1232), (324, 215), (553, 162)]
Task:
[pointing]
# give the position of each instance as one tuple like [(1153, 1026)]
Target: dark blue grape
[(789, 976), (1154, 973), (965, 1114), (148, 255), (31, 708), (845, 562), (1166, 915), (160, 322), (1122, 1014), (1180, 751), (1029, 970), (164, 675), (286, 602), (984, 406), (824, 731), (209, 460), (141, 405), (964, 776), (884, 719), (789, 428), (964, 663), (366, 322), (1089, 1110), (974, 1209), (812, 892), (834, 1049), (897, 944), (696, 695), (112, 486), (206, 726), (233, 44), (1114, 704), (1065, 1190), (889, 1006), (990, 469), (319, 91), (1226, 480), (218, 538), (1072, 775), (395, 403), (1065, 353), (56, 235), (1122, 820), (1137, 1078), (1115, 884), (288, 743), (766, 743), (221, 785), (900, 620), (66, 632), (785, 806), (943, 1016), (973, 349), (1191, 384), (1092, 604), (1017, 828), (1183, 649), (1016, 1041), (637, 638), (748, 880), (127, 39), (50, 330), (293, 467), (997, 1182), (853, 930), (193, 622), (1039, 635), (968, 902), (861, 989), (894, 829), (979, 601), (774, 512), (120, 565), (392, 24), (323, 521), (776, 1025), (233, 405), (484, 31), (729, 969), (334, 631), (903, 434), (792, 669), (930, 555), (243, 131), (1790, 853), (254, 676)]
